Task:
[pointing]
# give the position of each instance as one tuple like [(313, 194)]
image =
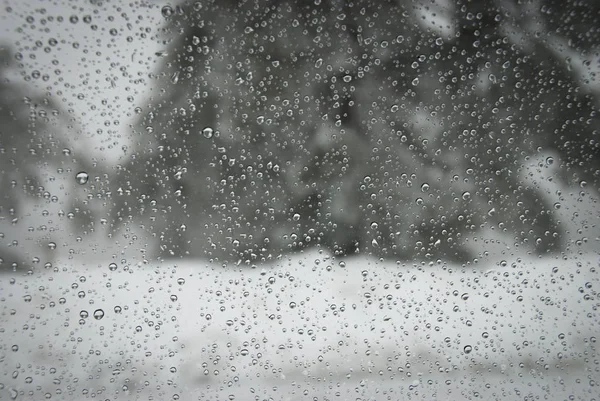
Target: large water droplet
[(98, 314)]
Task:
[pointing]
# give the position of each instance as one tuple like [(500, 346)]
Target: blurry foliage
[(365, 126), (35, 163)]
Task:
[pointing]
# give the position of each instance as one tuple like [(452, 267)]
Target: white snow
[(303, 326)]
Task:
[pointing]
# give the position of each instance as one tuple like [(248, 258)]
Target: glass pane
[(253, 199)]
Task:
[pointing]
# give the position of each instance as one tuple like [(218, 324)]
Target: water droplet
[(549, 161), (52, 245), (166, 11), (244, 352), (208, 132), (82, 177), (98, 314), (557, 205), (468, 349), (181, 281), (466, 195), (292, 304), (425, 187), (415, 82), (296, 217), (464, 296), (112, 267), (347, 78)]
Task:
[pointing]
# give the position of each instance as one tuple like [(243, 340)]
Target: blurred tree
[(35, 164), (382, 127)]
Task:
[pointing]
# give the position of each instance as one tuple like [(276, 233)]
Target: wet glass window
[(308, 199)]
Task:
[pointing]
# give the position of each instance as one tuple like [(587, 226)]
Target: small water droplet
[(425, 187), (208, 132), (166, 11), (468, 349), (98, 314), (82, 177), (112, 267), (415, 82)]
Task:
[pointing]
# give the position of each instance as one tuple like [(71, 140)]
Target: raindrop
[(425, 187), (112, 267), (82, 177), (167, 11), (415, 82), (549, 161), (468, 349), (208, 132), (98, 314)]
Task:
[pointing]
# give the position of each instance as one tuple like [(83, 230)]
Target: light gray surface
[(371, 330)]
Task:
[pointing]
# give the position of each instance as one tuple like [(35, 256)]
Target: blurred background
[(237, 131), (266, 199)]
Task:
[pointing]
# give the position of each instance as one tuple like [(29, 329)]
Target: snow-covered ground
[(308, 325)]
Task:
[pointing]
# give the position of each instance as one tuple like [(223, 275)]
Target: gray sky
[(97, 68)]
